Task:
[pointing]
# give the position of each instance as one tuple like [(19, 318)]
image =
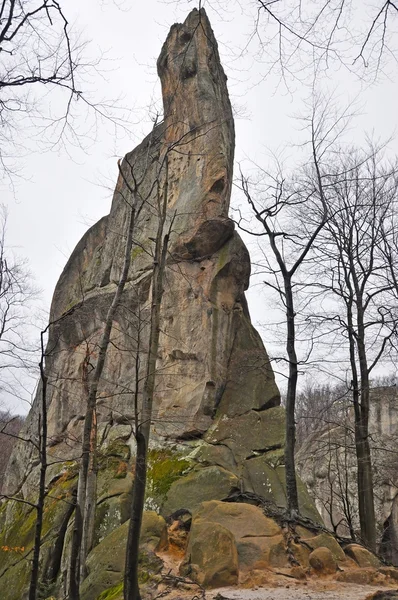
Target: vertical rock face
[(212, 366), (217, 424)]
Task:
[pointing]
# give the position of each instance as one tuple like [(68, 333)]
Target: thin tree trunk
[(91, 498), (290, 471), (131, 585), (77, 565), (42, 480), (366, 507)]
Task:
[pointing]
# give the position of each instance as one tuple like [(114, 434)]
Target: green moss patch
[(164, 467), (113, 593)]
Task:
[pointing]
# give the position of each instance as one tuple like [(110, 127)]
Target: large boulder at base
[(257, 538), (260, 540), (322, 561), (211, 557), (362, 556), (242, 520)]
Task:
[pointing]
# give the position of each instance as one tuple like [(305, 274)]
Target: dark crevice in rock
[(218, 186), (115, 495), (180, 355), (262, 451), (55, 558), (271, 403), (190, 435)]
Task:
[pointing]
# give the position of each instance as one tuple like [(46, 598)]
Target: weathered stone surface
[(324, 540), (262, 552), (322, 561), (262, 478), (242, 520), (250, 434), (258, 539), (362, 557), (105, 563), (211, 557), (198, 486), (391, 572), (359, 576)]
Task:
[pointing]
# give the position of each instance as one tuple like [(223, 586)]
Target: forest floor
[(313, 590), (272, 586)]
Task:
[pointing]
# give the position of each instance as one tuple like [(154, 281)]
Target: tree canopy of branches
[(353, 273), (40, 54), (16, 303), (290, 35)]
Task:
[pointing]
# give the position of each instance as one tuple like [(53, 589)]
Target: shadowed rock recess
[(218, 429)]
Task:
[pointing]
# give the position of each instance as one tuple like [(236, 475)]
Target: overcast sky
[(61, 195)]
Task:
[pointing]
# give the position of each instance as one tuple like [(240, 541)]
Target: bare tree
[(292, 37), (86, 496), (143, 426), (281, 206), (39, 52), (351, 270)]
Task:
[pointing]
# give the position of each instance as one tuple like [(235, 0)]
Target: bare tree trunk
[(367, 517), (291, 483), (42, 480), (86, 492), (91, 498), (131, 585)]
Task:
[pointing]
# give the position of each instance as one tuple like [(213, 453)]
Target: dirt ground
[(269, 586), (299, 591)]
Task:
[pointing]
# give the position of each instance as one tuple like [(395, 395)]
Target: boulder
[(105, 562), (262, 552), (250, 434), (358, 576), (362, 557), (325, 540), (203, 484), (258, 539), (242, 520), (211, 558), (322, 561), (391, 572)]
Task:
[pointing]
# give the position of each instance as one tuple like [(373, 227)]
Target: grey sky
[(63, 194)]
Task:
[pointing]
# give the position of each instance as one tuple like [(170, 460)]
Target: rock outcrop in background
[(218, 428), (327, 463)]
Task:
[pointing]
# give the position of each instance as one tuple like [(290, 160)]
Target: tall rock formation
[(213, 373), (217, 424)]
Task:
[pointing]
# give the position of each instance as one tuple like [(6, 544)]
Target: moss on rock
[(113, 593), (105, 562), (165, 466)]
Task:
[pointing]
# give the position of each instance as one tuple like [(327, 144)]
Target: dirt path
[(312, 591)]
